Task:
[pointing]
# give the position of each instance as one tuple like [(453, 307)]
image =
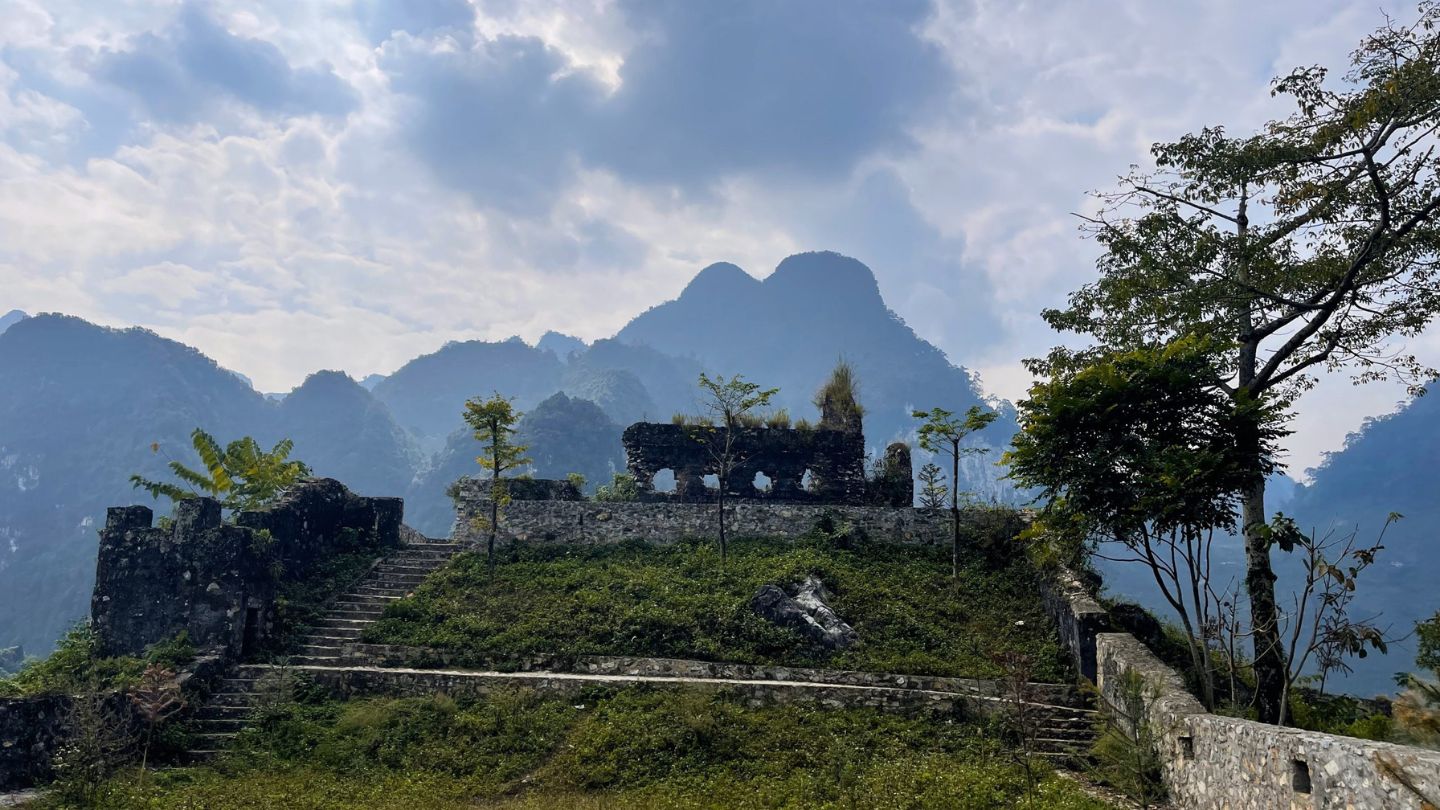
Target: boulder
[(804, 608)]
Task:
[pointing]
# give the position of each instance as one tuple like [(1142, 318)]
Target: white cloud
[(281, 241)]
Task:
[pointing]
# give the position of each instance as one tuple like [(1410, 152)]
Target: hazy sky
[(297, 185)]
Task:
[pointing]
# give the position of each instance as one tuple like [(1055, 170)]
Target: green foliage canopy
[(240, 475)]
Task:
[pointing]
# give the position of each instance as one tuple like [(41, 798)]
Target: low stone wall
[(1226, 763), (33, 729), (385, 655), (594, 522), (348, 682), (1078, 617), (1213, 761)]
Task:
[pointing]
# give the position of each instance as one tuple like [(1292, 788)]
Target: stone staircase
[(1065, 734), (229, 709)]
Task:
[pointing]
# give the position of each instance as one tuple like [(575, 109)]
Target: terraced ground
[(617, 740)]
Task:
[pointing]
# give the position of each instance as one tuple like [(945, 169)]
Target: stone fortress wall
[(1212, 761)]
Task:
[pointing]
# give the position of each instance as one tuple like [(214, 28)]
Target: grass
[(75, 666), (676, 602), (630, 748)]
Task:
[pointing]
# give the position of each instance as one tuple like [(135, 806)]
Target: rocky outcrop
[(805, 608)]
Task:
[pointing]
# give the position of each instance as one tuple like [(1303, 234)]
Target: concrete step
[(368, 614), (316, 660), (212, 711), (365, 600), (211, 741), (245, 699), (382, 589)]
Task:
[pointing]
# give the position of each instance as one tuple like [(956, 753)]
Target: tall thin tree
[(729, 402), (494, 422), (942, 432)]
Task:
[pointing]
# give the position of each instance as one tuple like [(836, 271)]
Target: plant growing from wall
[(622, 488), (730, 402), (838, 400), (933, 490), (240, 474), (494, 423), (1310, 243), (942, 432)]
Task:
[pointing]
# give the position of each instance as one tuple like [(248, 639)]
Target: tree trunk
[(955, 511), (494, 524), (1270, 670), (720, 500)]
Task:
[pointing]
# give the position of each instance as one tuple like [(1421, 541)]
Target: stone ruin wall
[(560, 522), (1214, 762), (819, 465), (216, 580)]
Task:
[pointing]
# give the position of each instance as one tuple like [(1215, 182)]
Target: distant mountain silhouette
[(11, 318), (790, 329), (81, 406), (344, 432), (427, 394), (1389, 465)]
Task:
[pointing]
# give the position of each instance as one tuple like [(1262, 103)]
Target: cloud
[(180, 73), (496, 118), (802, 88), (380, 19)]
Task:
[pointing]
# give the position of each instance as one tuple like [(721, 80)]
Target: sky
[(291, 186)]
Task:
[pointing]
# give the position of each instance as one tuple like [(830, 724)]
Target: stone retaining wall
[(1212, 761), (591, 522), (384, 655), (347, 682)]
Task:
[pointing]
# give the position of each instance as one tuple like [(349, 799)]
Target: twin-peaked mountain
[(81, 407)]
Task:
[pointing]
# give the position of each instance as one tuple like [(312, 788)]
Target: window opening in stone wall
[(1300, 775), (762, 482), (807, 481), (712, 481), (1187, 747), (664, 481)]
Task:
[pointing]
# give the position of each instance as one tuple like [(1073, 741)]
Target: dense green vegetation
[(74, 666), (635, 748), (678, 602)]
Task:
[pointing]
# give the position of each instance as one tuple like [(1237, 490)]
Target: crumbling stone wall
[(664, 521), (215, 580), (1212, 761), (834, 459)]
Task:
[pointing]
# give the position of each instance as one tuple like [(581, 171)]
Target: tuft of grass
[(677, 602)]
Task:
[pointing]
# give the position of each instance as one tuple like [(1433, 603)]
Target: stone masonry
[(215, 580)]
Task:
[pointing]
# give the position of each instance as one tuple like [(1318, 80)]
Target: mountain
[(790, 329), (1389, 465), (82, 405), (342, 431), (427, 394), (80, 408), (11, 318), (562, 346)]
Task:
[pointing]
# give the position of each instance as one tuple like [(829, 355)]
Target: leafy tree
[(1306, 245), (942, 432), (933, 489), (494, 422), (1418, 708), (730, 402), (1137, 450), (240, 475)]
